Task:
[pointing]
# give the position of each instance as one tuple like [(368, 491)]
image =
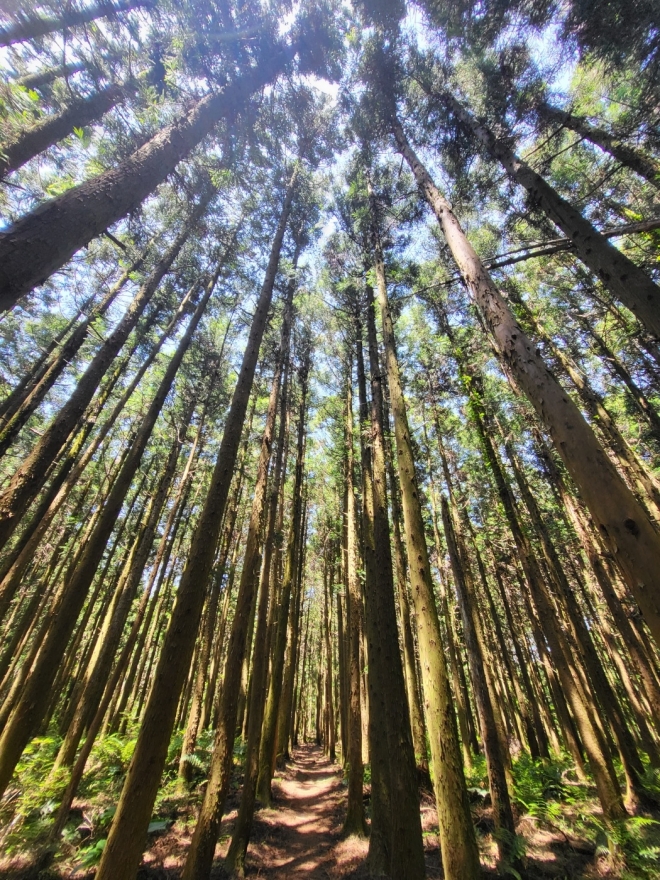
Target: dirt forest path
[(300, 837)]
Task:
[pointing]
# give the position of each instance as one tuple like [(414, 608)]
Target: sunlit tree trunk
[(460, 856), (48, 131), (122, 853), (629, 284), (625, 154), (30, 27), (29, 711), (620, 518), (29, 478)]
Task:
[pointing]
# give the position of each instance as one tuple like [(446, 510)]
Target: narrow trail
[(301, 835)]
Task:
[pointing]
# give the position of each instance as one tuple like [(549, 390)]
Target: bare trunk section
[(41, 242), (30, 27), (495, 761), (355, 821), (460, 856), (621, 519), (29, 711), (235, 861), (275, 688), (625, 154), (617, 272), (122, 853), (48, 131), (29, 478)]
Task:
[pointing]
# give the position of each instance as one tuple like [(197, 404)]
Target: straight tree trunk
[(46, 76), (418, 725), (275, 688), (460, 856), (623, 153), (497, 782), (41, 242), (620, 518), (48, 131), (121, 855), (235, 860), (29, 711), (627, 282), (29, 478), (354, 824), (30, 27)]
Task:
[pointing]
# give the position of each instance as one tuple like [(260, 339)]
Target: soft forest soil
[(300, 837)]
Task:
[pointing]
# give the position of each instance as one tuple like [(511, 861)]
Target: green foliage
[(543, 790), (632, 846)]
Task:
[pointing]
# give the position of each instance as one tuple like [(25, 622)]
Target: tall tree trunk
[(43, 241), (285, 704), (29, 478), (122, 853), (30, 709), (354, 824), (418, 725), (235, 860), (495, 761), (20, 406), (275, 688), (610, 143), (633, 541), (460, 856), (48, 131), (619, 274), (394, 845), (30, 27)]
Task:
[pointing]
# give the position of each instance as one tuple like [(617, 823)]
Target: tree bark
[(29, 711), (41, 242), (354, 824), (122, 853), (460, 856), (623, 153), (620, 518), (30, 27), (48, 131), (29, 478), (497, 782), (619, 274)]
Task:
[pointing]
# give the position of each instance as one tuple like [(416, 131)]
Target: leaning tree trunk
[(72, 467), (627, 282), (46, 76), (33, 703), (29, 478), (625, 154), (620, 518), (48, 131), (43, 241), (20, 406), (30, 27), (122, 853)]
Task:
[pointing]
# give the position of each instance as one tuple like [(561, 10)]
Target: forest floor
[(300, 835)]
